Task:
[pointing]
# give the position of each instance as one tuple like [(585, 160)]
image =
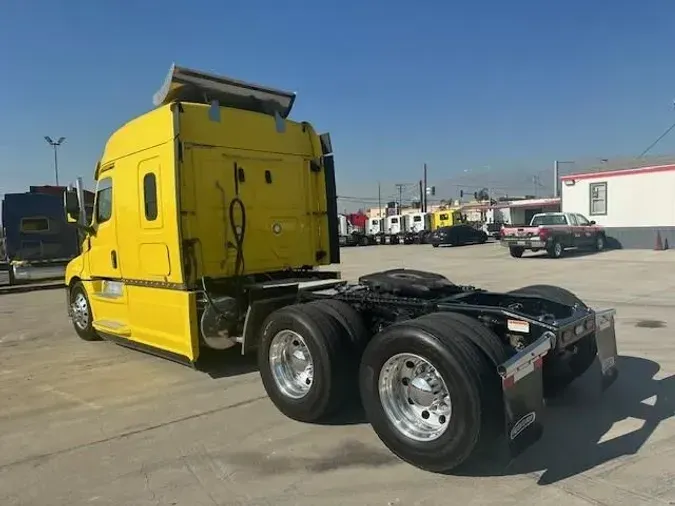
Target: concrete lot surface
[(97, 424)]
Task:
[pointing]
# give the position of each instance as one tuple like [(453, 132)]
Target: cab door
[(586, 230), (576, 232), (107, 292)]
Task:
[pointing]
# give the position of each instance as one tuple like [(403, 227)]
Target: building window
[(34, 225), (598, 199), (104, 195), (150, 196)]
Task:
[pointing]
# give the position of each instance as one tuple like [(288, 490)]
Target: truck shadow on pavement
[(577, 423), (226, 363)]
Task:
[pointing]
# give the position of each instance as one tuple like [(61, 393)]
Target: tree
[(482, 195)]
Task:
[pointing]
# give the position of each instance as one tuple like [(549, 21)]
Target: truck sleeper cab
[(445, 218), (192, 194), (198, 243)]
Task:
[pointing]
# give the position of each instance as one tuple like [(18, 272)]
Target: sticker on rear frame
[(522, 424), (607, 363), (518, 326)]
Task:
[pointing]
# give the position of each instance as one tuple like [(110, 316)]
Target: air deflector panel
[(188, 85)]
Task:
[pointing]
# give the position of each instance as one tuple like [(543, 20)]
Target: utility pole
[(422, 197), (535, 184), (55, 145), (424, 193), (400, 195), (556, 176), (379, 201)]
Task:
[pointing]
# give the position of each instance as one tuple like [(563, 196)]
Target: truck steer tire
[(303, 362), (555, 250), (82, 316), (516, 252), (557, 375), (432, 397)]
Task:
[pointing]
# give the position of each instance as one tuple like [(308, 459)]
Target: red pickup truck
[(553, 232)]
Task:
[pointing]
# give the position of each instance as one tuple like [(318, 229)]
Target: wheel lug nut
[(405, 381), (441, 419), (409, 364)]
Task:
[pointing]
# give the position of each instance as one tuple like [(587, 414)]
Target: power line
[(649, 148)]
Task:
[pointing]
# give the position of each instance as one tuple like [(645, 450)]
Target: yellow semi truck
[(213, 212), (445, 218)]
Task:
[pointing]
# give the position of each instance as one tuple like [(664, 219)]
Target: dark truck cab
[(38, 240), (553, 232)]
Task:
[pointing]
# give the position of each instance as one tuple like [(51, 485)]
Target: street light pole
[(556, 176), (55, 144)]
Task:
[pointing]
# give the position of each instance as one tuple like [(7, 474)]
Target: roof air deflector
[(187, 85)]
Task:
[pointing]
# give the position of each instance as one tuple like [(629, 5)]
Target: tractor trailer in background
[(410, 228), (195, 247), (38, 243)]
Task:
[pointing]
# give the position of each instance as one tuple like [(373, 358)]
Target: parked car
[(492, 229), (457, 235), (554, 232)]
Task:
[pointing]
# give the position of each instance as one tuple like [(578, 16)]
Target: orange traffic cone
[(659, 245)]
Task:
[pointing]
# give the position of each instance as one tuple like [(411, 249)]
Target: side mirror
[(592, 222), (72, 206)]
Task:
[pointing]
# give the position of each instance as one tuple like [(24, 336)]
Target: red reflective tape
[(508, 382)]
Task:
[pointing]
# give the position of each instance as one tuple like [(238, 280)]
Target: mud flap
[(523, 390), (605, 338)]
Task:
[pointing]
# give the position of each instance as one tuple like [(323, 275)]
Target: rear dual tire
[(307, 358), (442, 428), (434, 351)]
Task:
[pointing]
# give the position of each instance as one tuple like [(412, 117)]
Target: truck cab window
[(104, 194), (150, 196), (34, 225)]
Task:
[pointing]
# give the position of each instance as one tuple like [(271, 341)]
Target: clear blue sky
[(512, 85)]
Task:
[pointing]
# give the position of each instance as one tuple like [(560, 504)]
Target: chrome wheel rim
[(80, 310), (600, 243), (558, 249), (291, 364), (414, 397)]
